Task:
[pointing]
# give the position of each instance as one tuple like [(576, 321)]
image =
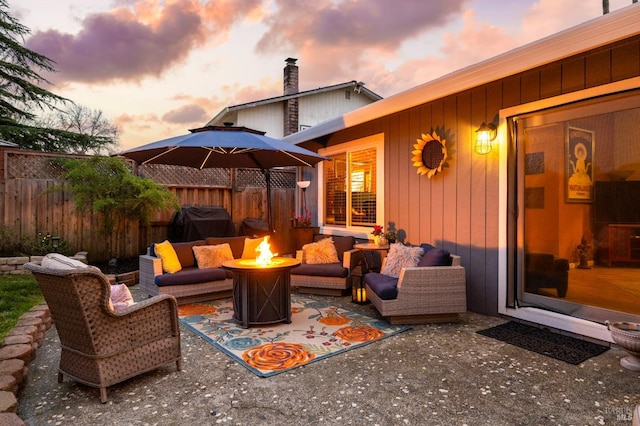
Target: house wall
[(458, 208), (324, 106)]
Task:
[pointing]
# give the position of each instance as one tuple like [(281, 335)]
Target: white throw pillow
[(120, 297), (212, 256), (401, 256)]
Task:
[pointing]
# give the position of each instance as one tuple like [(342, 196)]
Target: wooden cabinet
[(624, 243)]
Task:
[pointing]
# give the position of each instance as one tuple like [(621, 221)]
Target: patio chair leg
[(103, 395), (179, 364), (60, 377)]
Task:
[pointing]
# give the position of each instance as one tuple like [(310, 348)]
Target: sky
[(159, 68)]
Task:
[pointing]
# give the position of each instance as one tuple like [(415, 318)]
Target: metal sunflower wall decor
[(432, 152)]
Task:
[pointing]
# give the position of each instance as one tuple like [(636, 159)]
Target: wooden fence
[(30, 212)]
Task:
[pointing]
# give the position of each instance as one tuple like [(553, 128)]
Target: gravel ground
[(443, 374)]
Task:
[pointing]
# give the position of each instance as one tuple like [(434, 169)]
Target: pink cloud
[(127, 44), (186, 114)]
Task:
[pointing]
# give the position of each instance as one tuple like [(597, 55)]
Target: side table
[(372, 248)]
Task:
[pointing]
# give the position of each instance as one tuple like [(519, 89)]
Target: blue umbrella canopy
[(229, 147), (226, 147)]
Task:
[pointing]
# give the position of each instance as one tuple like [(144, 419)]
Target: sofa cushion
[(166, 252), (384, 286), (212, 256), (321, 270), (436, 257), (320, 252), (236, 243), (184, 251), (191, 275), (401, 256)]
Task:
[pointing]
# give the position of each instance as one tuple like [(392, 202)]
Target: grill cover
[(198, 223)]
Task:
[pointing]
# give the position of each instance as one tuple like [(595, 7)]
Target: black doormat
[(542, 341)]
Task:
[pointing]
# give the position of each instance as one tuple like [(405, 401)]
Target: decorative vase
[(627, 336), (380, 240), (376, 240)]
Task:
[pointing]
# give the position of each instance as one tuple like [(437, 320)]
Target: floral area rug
[(317, 331)]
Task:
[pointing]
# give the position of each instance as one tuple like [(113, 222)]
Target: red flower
[(377, 230)]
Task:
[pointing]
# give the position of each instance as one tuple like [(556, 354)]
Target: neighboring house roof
[(600, 31), (356, 85), (7, 143)]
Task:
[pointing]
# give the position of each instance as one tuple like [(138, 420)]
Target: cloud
[(338, 42), (130, 43), (186, 114)]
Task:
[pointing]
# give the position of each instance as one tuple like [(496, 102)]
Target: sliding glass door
[(577, 190)]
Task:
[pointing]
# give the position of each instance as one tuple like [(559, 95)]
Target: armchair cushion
[(60, 261), (212, 256), (435, 257), (401, 256), (384, 286), (320, 252), (321, 270)]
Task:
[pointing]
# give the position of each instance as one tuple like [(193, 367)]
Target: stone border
[(18, 350)]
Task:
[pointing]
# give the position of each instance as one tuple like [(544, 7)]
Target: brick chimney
[(290, 81)]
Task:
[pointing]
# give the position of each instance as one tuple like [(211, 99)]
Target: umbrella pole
[(267, 177)]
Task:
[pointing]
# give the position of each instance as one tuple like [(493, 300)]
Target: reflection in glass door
[(578, 192)]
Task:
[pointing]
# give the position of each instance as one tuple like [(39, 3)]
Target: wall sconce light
[(55, 243), (485, 134)]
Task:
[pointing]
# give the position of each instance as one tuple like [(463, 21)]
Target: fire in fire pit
[(264, 253)]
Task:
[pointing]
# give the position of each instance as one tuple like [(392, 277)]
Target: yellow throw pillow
[(212, 256), (323, 251), (166, 252), (250, 247)]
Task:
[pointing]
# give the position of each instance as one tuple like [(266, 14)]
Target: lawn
[(18, 294)]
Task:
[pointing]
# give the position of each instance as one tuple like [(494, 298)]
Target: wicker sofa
[(190, 284), (329, 279), (421, 294), (101, 346)]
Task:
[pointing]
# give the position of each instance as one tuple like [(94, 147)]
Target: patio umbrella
[(226, 147)]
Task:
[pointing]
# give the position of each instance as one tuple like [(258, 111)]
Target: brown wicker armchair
[(101, 347)]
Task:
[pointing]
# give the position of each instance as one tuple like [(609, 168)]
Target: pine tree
[(20, 90)]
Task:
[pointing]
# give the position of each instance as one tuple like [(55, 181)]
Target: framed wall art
[(580, 144)]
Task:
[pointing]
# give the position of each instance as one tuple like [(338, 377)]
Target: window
[(352, 190)]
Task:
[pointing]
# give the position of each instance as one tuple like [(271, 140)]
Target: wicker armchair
[(425, 294), (101, 347)]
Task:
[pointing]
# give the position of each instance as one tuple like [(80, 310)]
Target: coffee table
[(261, 293)]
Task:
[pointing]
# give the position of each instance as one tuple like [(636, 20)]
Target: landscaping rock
[(10, 419), (14, 367), (23, 352), (8, 402), (8, 383)]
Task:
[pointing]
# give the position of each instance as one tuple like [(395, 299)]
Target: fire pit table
[(261, 292)]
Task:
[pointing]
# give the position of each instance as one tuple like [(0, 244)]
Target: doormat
[(542, 341), (317, 331)]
